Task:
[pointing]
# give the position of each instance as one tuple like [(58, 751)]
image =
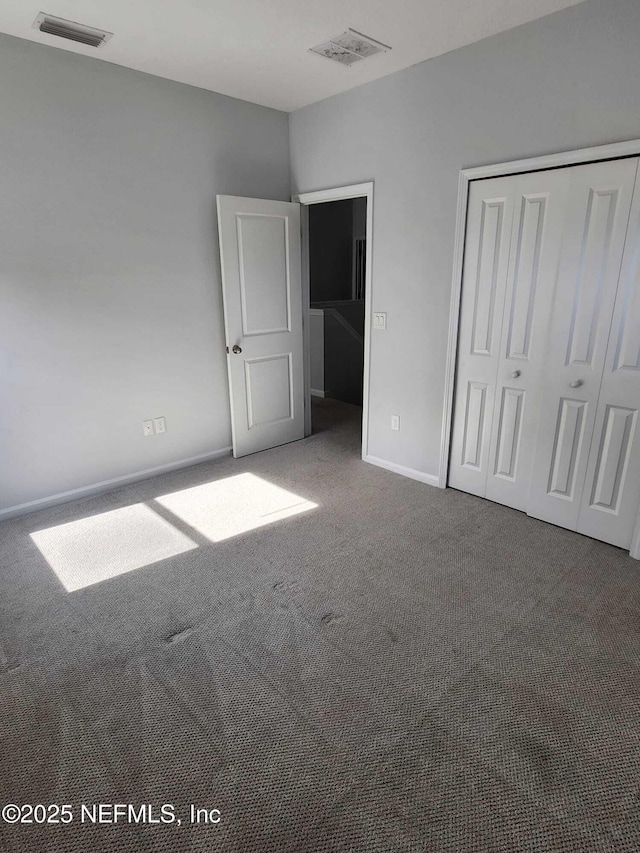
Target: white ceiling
[(257, 50)]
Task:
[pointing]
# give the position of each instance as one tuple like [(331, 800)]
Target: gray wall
[(566, 81), (109, 279)]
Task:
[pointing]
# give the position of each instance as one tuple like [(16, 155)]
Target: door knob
[(576, 383), (515, 374), (236, 349)]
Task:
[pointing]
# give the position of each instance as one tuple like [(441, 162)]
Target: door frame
[(614, 151), (364, 190)]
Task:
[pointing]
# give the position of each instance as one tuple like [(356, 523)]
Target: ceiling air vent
[(70, 30), (349, 47)]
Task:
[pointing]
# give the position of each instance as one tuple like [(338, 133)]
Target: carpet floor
[(332, 656)]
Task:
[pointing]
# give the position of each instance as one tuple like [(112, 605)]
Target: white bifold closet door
[(610, 503), (514, 230), (548, 375), (579, 326)]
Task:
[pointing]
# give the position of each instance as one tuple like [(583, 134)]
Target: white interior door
[(592, 248), (610, 501), (514, 235), (536, 238), (262, 292), (486, 262)]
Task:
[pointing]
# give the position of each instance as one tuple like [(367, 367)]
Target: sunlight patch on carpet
[(103, 546), (225, 508)]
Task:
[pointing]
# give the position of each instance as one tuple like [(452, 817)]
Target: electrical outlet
[(147, 427), (160, 425), (379, 320), (395, 422)]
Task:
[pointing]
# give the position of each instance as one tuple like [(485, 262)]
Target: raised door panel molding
[(474, 425), (592, 265), (566, 448), (627, 320), (484, 307), (509, 433), (613, 458), (523, 296), (265, 287), (276, 373), (610, 503)]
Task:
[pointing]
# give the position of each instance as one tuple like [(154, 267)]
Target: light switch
[(379, 320), (147, 427)]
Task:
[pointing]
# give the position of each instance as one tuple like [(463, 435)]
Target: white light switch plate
[(395, 422), (147, 427), (380, 320)]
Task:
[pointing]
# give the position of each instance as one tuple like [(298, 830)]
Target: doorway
[(266, 289), (336, 259), (337, 262)]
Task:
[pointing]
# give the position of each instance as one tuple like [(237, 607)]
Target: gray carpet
[(395, 669)]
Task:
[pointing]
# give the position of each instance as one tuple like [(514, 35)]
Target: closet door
[(536, 239), (486, 262), (612, 493), (500, 361), (593, 242)]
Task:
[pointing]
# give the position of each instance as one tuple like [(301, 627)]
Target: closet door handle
[(515, 374), (576, 383)]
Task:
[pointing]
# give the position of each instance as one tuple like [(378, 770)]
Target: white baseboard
[(107, 485), (412, 473), (316, 393)]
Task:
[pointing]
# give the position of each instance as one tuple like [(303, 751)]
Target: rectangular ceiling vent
[(349, 47), (70, 30)]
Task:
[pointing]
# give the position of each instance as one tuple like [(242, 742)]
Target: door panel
[(272, 372), (474, 425), (613, 454), (492, 230), (594, 234), (522, 299), (508, 444), (612, 493), (264, 280), (567, 447), (587, 334), (540, 201), (262, 294), (484, 278)]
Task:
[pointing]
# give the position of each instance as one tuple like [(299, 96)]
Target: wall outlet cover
[(160, 425)]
